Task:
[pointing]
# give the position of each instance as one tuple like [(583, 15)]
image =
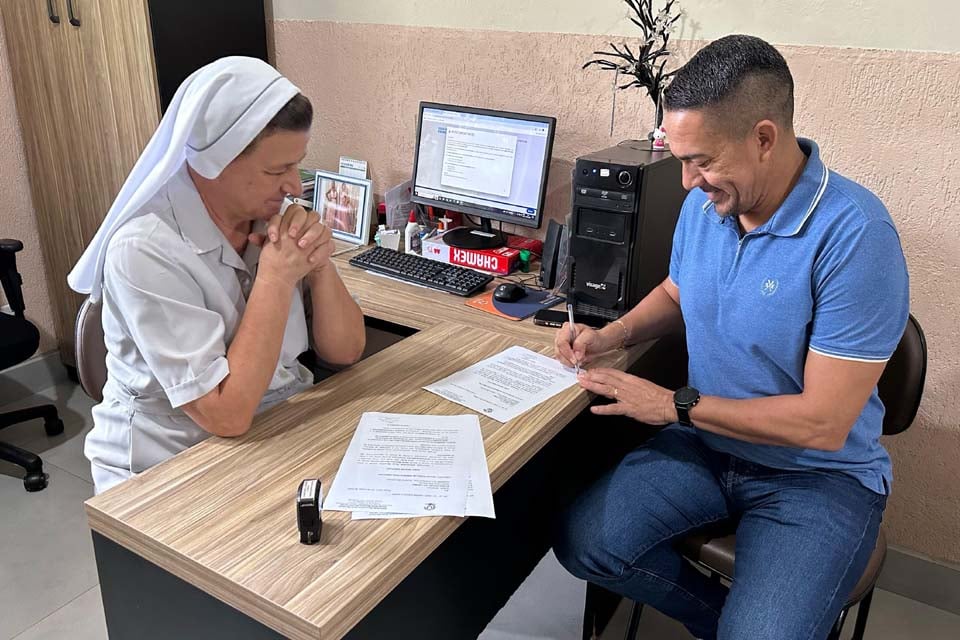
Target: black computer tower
[(626, 201)]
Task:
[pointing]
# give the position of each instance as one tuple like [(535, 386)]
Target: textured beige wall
[(16, 210), (923, 25), (887, 119)]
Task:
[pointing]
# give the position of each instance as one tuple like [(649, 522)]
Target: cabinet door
[(87, 100), (37, 48), (111, 78)]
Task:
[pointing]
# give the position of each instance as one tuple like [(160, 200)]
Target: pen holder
[(390, 239)]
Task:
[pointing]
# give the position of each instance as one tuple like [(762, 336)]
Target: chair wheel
[(53, 428), (36, 481)]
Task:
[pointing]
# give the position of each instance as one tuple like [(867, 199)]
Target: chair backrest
[(91, 352), (9, 276), (901, 385)]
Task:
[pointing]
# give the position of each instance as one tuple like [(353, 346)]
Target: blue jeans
[(803, 539)]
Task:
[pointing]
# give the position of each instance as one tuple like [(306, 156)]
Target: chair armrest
[(10, 245), (9, 277)]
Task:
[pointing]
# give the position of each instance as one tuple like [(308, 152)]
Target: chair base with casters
[(36, 479), (19, 339)]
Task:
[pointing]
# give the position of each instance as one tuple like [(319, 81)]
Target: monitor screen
[(492, 164)]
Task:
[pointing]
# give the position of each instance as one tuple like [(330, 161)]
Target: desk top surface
[(221, 514)]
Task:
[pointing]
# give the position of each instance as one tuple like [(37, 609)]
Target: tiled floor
[(48, 579)]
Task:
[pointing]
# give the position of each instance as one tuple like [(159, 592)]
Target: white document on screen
[(479, 493), (406, 464), (478, 160), (507, 384)]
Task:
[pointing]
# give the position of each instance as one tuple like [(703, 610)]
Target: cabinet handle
[(74, 20), (54, 18)]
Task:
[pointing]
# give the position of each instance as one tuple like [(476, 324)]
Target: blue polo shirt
[(825, 273)]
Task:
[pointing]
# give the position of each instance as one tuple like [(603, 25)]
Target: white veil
[(214, 115)]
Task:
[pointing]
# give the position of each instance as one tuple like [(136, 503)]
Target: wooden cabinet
[(90, 79)]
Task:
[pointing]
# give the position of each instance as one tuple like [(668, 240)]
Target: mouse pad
[(528, 305), (484, 302)]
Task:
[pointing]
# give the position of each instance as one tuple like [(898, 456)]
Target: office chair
[(90, 350), (900, 388), (19, 340)]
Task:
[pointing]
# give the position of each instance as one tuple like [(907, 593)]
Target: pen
[(573, 333), (306, 204)]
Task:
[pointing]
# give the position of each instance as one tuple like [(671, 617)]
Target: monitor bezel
[(551, 123)]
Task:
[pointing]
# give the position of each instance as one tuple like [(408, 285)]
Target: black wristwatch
[(685, 399)]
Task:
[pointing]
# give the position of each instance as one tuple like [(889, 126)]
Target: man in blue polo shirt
[(792, 286)]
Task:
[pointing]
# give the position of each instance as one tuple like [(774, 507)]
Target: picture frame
[(345, 204)]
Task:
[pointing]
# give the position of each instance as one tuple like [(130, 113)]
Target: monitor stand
[(484, 237)]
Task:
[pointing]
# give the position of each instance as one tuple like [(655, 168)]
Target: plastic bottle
[(525, 260), (411, 235)]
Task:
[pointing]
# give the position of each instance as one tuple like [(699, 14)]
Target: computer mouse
[(509, 292)]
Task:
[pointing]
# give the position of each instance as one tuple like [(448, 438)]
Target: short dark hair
[(296, 115), (740, 80)]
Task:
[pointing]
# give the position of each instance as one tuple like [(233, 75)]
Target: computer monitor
[(491, 164)]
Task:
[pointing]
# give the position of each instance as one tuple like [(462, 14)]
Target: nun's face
[(256, 182)]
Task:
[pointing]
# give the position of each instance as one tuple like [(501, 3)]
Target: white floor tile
[(74, 408), (893, 617), (548, 606), (47, 553), (65, 451), (81, 619)]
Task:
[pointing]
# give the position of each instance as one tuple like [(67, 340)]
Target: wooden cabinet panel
[(115, 105), (37, 49), (133, 76), (88, 101)]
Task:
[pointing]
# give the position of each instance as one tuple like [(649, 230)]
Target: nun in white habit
[(203, 282)]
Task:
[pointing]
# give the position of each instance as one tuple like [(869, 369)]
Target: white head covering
[(214, 115)]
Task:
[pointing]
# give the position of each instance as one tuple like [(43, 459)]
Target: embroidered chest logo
[(769, 286)]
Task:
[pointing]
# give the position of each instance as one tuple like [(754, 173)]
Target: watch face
[(686, 395)]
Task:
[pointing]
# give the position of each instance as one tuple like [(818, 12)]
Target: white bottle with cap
[(411, 235)]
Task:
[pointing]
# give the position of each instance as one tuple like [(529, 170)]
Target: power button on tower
[(624, 177)]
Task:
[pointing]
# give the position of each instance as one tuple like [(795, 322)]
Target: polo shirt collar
[(790, 218), (195, 224), (793, 214)]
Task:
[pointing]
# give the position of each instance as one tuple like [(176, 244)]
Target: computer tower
[(626, 201)]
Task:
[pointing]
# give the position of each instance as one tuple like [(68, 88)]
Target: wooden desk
[(220, 516)]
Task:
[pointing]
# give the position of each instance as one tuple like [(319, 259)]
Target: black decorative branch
[(646, 65)]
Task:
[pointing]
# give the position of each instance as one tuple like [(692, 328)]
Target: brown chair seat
[(716, 552)]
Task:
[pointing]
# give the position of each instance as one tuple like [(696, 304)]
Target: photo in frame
[(345, 204)]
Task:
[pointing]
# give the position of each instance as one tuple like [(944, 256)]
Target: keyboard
[(423, 271)]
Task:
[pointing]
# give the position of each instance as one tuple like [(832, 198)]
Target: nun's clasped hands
[(296, 242)]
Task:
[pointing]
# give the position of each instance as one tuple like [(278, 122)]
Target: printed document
[(507, 384), (479, 493), (406, 464)]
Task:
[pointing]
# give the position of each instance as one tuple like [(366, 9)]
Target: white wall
[(922, 25)]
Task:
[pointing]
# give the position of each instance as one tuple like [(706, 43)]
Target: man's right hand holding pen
[(584, 344)]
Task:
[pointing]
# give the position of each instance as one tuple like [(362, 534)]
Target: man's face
[(727, 170), (255, 182)]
